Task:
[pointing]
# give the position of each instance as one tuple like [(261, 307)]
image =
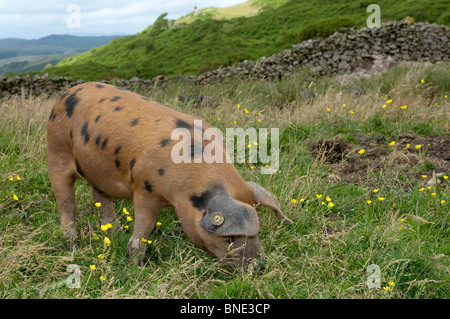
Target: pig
[(120, 143)]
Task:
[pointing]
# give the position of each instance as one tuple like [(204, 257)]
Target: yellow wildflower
[(445, 177), (328, 199), (294, 201), (376, 190), (400, 228), (407, 146), (11, 179), (389, 101), (344, 105), (102, 278), (319, 196), (328, 110), (384, 106), (95, 236), (18, 178), (391, 283), (402, 220), (104, 227), (403, 107), (125, 211), (302, 200), (392, 143), (330, 204), (422, 81), (369, 202), (361, 151), (381, 199), (387, 288), (92, 267), (101, 256), (158, 224), (259, 120), (351, 112), (129, 218), (15, 197), (98, 204), (144, 240), (107, 241), (421, 189), (418, 146), (424, 176), (246, 111), (235, 122), (442, 201), (433, 194)]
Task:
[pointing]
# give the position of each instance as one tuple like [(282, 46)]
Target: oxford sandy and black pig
[(120, 143)]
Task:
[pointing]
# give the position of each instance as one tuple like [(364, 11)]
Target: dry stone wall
[(346, 51)]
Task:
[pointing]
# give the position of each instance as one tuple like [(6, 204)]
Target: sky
[(33, 19)]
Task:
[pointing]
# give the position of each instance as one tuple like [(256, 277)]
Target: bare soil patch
[(353, 167)]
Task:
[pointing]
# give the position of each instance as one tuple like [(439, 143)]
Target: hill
[(22, 55), (208, 43)]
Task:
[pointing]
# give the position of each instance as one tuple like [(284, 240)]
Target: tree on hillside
[(160, 24)]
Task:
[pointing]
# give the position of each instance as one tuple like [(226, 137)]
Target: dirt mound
[(412, 156)]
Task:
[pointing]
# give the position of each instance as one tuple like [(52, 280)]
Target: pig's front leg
[(146, 209)]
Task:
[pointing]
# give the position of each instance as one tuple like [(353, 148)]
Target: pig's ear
[(267, 199)]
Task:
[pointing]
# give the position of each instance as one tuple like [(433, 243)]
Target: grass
[(325, 253), (187, 49)]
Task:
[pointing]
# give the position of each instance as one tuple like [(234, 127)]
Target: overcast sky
[(32, 19)]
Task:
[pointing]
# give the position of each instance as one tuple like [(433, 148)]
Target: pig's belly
[(99, 173)]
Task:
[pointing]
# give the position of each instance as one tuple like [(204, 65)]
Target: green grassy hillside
[(207, 43)]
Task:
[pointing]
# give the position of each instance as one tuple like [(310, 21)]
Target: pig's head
[(229, 228)]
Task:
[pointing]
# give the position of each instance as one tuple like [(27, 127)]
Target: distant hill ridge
[(208, 43), (52, 44)]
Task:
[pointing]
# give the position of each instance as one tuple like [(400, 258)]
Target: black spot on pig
[(148, 186), (97, 140), (117, 149), (133, 161), (118, 108), (164, 142), (97, 118), (201, 201), (182, 124), (104, 143), (100, 86), (52, 115), (114, 99), (85, 133), (134, 122), (117, 162), (71, 102), (161, 172)]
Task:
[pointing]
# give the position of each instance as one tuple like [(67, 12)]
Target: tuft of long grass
[(325, 253)]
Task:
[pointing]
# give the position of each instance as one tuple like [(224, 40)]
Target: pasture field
[(351, 208)]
